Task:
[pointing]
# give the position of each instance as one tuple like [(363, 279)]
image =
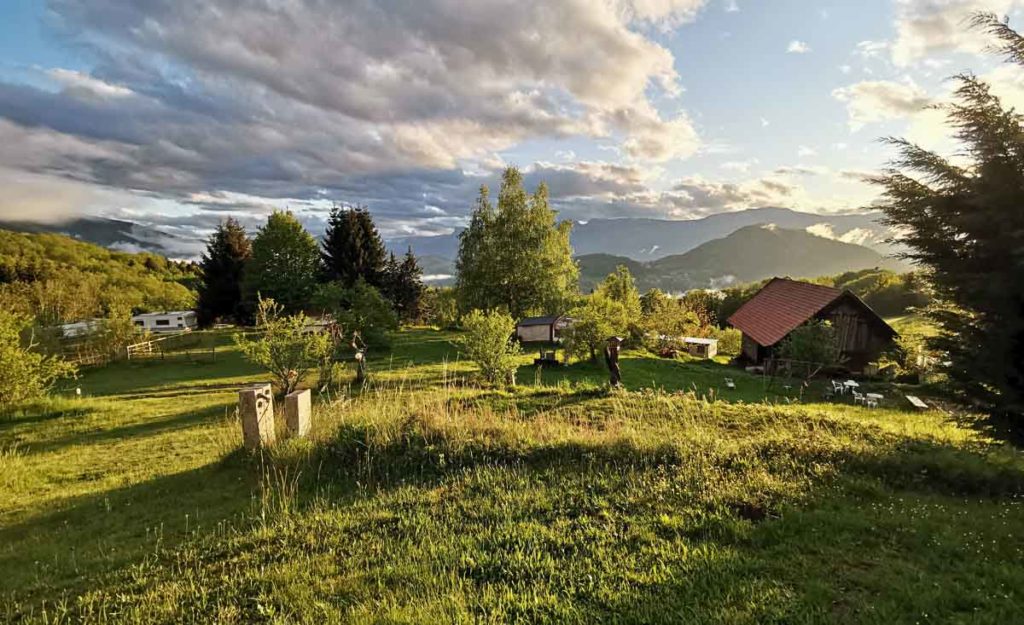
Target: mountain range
[(749, 254), (651, 239)]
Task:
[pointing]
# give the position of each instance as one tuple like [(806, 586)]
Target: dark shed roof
[(537, 321)]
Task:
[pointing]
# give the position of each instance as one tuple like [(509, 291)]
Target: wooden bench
[(916, 402)]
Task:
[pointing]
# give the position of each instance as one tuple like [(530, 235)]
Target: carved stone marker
[(297, 410), (256, 407)]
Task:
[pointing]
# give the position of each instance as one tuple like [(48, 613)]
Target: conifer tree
[(408, 289), (352, 248), (220, 287), (964, 221)]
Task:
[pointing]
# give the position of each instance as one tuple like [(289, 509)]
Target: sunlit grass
[(424, 498)]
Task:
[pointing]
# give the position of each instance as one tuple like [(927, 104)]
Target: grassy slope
[(425, 500)]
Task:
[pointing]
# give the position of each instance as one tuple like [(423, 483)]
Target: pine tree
[(516, 257), (284, 265), (965, 222), (352, 248), (220, 289)]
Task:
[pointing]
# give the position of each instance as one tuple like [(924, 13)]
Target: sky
[(179, 113)]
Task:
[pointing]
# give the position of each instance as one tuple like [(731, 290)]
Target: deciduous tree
[(284, 265)]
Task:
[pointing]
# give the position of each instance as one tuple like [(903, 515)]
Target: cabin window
[(163, 322)]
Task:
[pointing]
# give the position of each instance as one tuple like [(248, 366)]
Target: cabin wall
[(861, 339), (750, 349), (534, 334)]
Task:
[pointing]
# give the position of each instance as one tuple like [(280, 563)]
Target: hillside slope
[(60, 279), (748, 254)]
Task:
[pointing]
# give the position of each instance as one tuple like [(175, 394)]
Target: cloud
[(928, 27), (881, 100), (805, 151), (220, 97), (798, 47)]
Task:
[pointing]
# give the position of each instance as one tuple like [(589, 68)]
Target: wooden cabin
[(784, 305)]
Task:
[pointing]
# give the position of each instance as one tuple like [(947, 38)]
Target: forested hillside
[(58, 279)]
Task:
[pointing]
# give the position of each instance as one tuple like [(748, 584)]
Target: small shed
[(783, 305), (174, 321), (701, 348), (542, 329)]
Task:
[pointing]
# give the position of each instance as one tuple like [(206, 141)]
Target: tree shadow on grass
[(93, 534), (147, 427)]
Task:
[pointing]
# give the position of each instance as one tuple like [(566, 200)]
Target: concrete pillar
[(297, 411), (256, 407)]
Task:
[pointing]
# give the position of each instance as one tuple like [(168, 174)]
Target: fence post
[(256, 408)]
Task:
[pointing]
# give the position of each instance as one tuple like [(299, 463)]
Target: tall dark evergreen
[(964, 221), (220, 287), (352, 248), (408, 289)]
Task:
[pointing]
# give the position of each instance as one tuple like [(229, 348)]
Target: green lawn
[(424, 498)]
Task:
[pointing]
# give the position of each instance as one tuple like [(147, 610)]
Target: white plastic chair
[(730, 384), (859, 398)]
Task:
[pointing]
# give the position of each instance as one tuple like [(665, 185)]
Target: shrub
[(598, 318), (287, 349), (814, 342), (488, 342), (24, 373)]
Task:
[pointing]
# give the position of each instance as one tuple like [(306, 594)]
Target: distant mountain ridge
[(749, 254), (651, 239)]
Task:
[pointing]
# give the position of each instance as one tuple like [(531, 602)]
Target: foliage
[(596, 319), (365, 310), (620, 287), (24, 373), (284, 264), (442, 308), (668, 321), (703, 304), (403, 287), (963, 221), (220, 289), (57, 279), (515, 257), (730, 340), (488, 342), (814, 342), (284, 346), (352, 248)]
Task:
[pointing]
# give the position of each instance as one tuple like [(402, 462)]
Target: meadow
[(423, 497)]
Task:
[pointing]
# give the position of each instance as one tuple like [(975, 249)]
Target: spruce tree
[(220, 288), (408, 289), (352, 248), (964, 221)]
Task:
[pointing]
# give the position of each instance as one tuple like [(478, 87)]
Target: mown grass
[(422, 498)]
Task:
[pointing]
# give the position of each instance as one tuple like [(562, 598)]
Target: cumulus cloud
[(880, 100), (798, 47), (927, 27), (215, 96)]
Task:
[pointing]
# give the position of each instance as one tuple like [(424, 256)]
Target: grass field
[(423, 498)]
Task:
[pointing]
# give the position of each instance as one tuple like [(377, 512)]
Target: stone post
[(256, 407), (297, 410)]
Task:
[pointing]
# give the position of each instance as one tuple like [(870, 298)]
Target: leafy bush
[(360, 308), (488, 342), (24, 373), (596, 319), (730, 341), (814, 342), (286, 347)]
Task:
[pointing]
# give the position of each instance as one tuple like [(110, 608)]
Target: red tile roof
[(779, 308)]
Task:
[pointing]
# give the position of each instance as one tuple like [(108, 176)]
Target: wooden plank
[(916, 402)]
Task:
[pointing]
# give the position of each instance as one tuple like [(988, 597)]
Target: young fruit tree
[(24, 373), (286, 346), (963, 220), (488, 342)]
